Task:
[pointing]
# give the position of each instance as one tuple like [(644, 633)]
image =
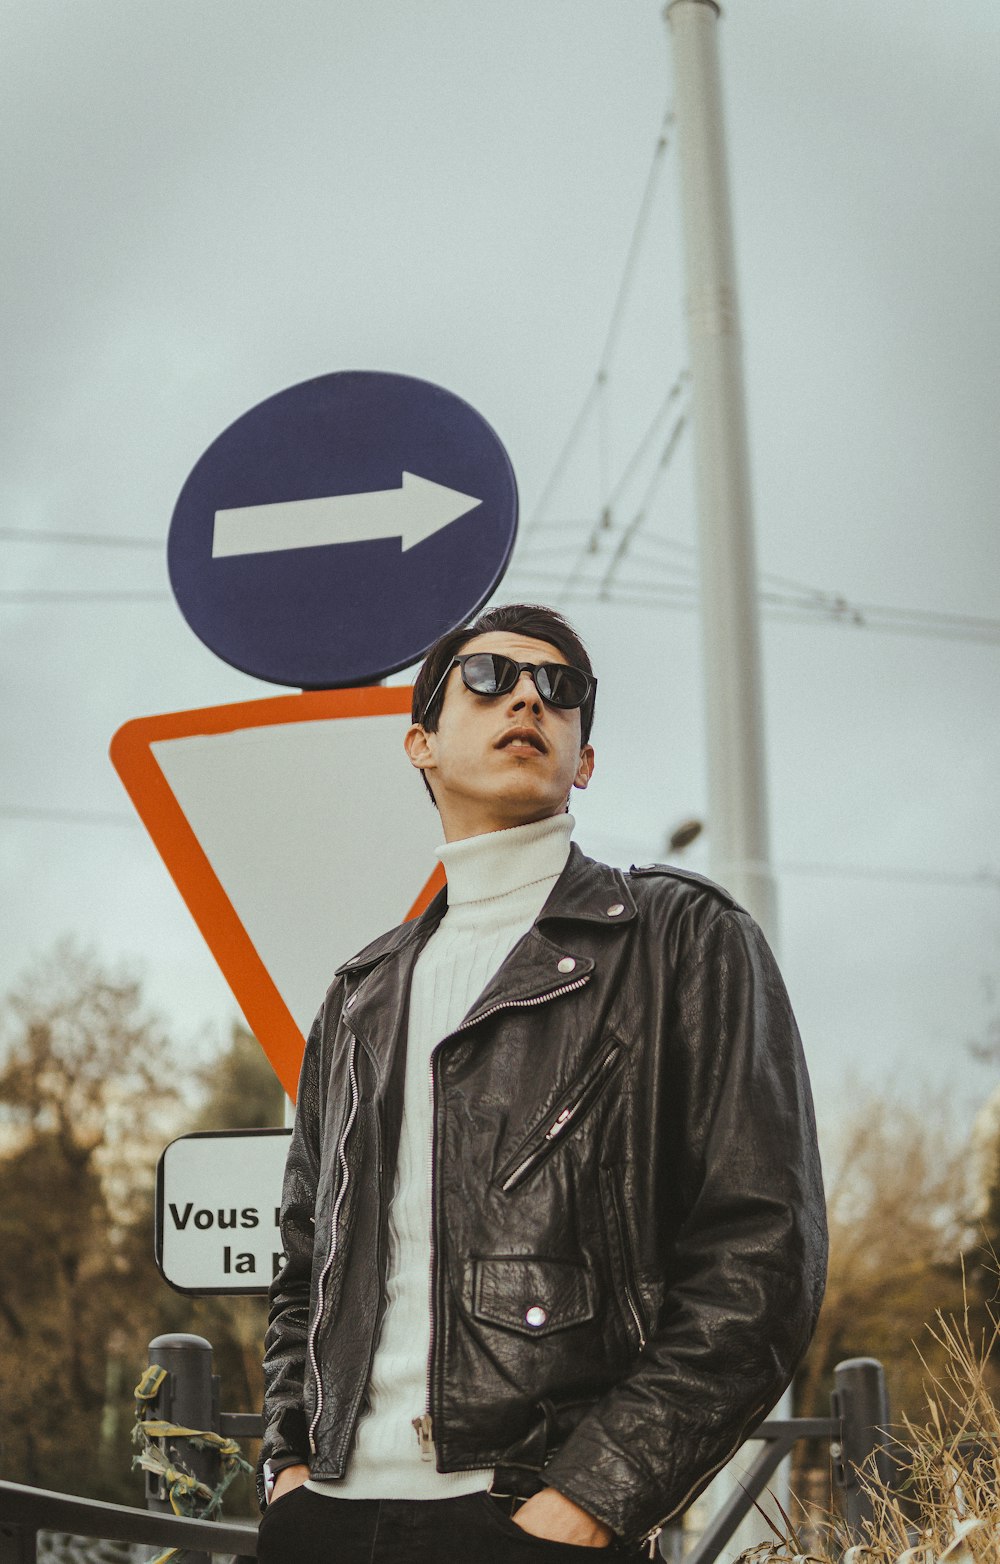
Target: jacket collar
[(589, 892), (586, 891), (541, 966)]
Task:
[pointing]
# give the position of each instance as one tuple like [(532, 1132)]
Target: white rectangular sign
[(217, 1202)]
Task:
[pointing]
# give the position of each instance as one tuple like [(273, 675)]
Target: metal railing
[(855, 1432), (24, 1512), (856, 1435)]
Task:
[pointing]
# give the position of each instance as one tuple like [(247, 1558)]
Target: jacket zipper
[(334, 1218), (564, 1118), (425, 1425), (653, 1533), (624, 1249), (381, 1222), (519, 1004)]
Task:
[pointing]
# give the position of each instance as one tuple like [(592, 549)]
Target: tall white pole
[(739, 840), (737, 787)]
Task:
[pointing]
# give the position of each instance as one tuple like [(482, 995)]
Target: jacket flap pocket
[(532, 1295)]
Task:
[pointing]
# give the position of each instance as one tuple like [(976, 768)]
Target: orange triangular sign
[(296, 833)]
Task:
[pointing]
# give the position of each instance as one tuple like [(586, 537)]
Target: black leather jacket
[(629, 1237)]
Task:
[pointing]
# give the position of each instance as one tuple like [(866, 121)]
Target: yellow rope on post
[(149, 1384), (184, 1490)]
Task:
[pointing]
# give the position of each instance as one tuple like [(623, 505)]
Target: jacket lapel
[(377, 985), (546, 962)]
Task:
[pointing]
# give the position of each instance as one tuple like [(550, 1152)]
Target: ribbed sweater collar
[(484, 868)]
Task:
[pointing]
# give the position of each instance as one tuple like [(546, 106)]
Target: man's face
[(504, 760)]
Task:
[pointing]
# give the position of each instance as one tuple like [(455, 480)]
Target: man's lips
[(522, 738)]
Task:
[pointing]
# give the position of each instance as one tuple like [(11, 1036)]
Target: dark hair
[(533, 620)]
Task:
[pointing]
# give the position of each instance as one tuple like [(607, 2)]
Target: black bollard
[(860, 1401), (188, 1397)]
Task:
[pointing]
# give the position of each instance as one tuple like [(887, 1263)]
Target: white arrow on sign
[(413, 512)]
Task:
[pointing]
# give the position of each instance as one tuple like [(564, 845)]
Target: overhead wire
[(585, 593), (916, 630), (797, 602), (816, 608), (832, 603), (635, 245), (562, 460), (979, 879), (598, 391), (684, 595), (690, 550), (973, 621), (614, 494), (673, 567), (66, 816), (98, 539), (629, 532), (808, 604), (605, 522), (603, 437), (635, 460), (47, 536), (983, 879), (599, 383), (81, 595)]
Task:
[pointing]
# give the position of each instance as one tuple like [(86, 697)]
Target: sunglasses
[(492, 673)]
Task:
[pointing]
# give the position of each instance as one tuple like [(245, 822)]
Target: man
[(552, 1212)]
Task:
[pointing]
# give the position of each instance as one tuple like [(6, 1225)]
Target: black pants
[(303, 1527)]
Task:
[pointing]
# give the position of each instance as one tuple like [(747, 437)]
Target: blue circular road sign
[(334, 531)]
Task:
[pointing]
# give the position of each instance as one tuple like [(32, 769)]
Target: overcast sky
[(204, 204)]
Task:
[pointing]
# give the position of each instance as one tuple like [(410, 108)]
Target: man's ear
[(585, 770), (419, 750)]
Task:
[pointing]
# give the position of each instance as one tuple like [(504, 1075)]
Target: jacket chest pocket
[(531, 1295), (563, 1117)]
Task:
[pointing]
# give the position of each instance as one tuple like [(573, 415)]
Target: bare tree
[(901, 1214), (85, 1080)]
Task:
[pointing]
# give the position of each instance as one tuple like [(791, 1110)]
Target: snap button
[(616, 910), (535, 1316), (567, 964)]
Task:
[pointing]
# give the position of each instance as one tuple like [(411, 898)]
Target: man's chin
[(523, 811), (516, 799)]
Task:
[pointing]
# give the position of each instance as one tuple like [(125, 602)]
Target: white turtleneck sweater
[(497, 886)]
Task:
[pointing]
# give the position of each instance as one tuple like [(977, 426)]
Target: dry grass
[(943, 1504)]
